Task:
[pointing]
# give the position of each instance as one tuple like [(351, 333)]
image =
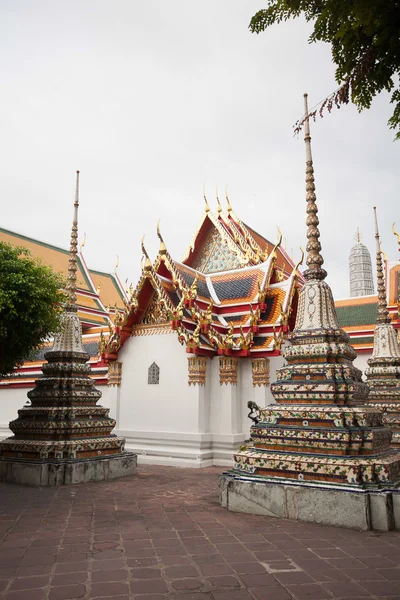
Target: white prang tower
[(360, 267)]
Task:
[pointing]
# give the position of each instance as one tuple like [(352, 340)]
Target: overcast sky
[(150, 100)]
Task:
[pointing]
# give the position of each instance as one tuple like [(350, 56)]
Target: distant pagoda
[(383, 373), (360, 267), (319, 431), (63, 436)]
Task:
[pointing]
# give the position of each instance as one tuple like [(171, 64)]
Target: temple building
[(315, 453), (198, 339), (360, 268)]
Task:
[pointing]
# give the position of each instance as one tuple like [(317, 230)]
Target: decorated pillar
[(229, 394), (197, 380), (260, 370)]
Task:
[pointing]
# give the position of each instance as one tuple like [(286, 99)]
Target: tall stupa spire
[(383, 313), (383, 372), (319, 430), (73, 252), (64, 436), (314, 258)]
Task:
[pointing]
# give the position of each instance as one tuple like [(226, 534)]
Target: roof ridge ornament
[(314, 258), (205, 199), (358, 236), (383, 313), (147, 265), (227, 200), (73, 252), (219, 209), (396, 234), (163, 248)]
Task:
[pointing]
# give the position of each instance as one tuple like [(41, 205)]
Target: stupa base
[(67, 472), (362, 509)]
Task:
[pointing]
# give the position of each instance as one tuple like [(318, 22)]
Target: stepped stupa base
[(66, 471), (360, 509)]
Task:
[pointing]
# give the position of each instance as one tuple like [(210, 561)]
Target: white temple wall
[(361, 361), (169, 422), (11, 400)]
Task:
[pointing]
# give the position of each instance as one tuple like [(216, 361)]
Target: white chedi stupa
[(360, 267)]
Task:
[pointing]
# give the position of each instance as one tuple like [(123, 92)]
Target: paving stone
[(265, 593), (26, 595), (67, 592), (311, 591), (181, 571), (258, 579), (72, 567), (118, 575), (26, 583), (223, 581), (381, 588), (345, 590), (69, 578), (109, 588), (187, 584), (147, 586), (218, 569)]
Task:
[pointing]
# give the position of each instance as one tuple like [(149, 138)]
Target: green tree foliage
[(30, 305), (365, 40)]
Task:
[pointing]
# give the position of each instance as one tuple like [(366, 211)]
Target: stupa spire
[(314, 258), (383, 313), (73, 253)]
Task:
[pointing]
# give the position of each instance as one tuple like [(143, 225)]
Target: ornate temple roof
[(232, 294), (95, 290)]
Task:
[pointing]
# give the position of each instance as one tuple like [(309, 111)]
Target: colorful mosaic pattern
[(216, 256)]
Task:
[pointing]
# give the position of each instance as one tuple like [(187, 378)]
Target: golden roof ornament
[(227, 200), (163, 248), (396, 234), (314, 258), (383, 313), (219, 209), (205, 199), (147, 265)]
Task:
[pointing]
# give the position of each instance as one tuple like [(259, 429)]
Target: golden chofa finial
[(147, 264), (227, 200), (219, 209), (300, 262), (396, 234), (358, 236), (205, 199), (163, 248), (83, 243)]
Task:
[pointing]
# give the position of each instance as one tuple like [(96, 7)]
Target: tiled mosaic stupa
[(319, 431), (63, 436), (383, 372)]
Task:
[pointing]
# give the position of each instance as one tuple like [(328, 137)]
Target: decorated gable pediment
[(215, 255)]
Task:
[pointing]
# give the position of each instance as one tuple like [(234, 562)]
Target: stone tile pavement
[(162, 535)]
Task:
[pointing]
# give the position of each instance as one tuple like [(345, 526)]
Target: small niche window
[(154, 374)]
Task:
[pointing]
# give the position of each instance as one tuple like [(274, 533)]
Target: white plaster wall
[(11, 399), (361, 362), (172, 405)]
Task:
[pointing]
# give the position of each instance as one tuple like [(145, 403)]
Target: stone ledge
[(353, 509), (67, 472)]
